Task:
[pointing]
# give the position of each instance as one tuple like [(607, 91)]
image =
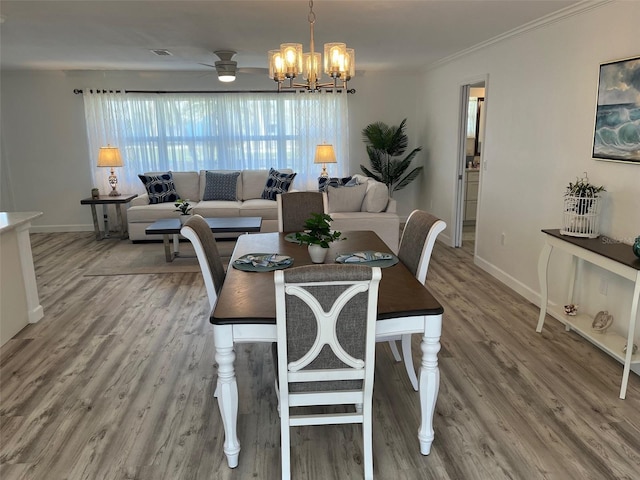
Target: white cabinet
[(472, 181)]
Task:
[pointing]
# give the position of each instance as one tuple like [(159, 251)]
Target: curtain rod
[(78, 91)]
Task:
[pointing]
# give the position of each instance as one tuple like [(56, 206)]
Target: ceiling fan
[(227, 68)]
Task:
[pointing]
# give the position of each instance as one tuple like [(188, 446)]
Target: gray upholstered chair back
[(212, 257), (303, 323), (296, 207), (418, 238)]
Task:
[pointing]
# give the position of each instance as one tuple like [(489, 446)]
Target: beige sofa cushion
[(151, 212), (258, 207), (218, 208), (346, 199), (376, 197)]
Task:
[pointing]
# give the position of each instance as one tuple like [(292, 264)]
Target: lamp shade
[(325, 154), (109, 157)]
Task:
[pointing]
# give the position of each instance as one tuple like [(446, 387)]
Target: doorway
[(472, 126)]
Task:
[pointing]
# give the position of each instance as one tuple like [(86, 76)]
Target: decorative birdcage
[(582, 203)]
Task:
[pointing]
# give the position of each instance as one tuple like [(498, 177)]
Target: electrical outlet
[(604, 286), (503, 239)]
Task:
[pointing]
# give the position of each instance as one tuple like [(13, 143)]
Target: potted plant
[(383, 144), (581, 208), (318, 235), (184, 207)]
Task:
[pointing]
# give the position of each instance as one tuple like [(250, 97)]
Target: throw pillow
[(160, 188), (376, 198), (326, 182), (277, 183), (221, 186), (346, 199)]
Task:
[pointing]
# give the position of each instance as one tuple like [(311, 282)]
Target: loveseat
[(362, 203), (245, 200)]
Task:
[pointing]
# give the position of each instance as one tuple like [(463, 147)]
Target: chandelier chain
[(312, 15)]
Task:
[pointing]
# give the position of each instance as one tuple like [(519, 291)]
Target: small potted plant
[(318, 235), (184, 207)]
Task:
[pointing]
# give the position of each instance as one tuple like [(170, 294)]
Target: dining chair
[(416, 245), (325, 320), (197, 231), (296, 207)]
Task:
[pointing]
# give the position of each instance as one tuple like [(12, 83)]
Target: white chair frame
[(357, 369)]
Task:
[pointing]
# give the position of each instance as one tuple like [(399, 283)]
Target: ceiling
[(118, 35)]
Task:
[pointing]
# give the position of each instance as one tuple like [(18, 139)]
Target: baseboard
[(508, 280), (60, 228)]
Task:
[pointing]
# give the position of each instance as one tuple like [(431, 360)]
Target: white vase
[(317, 253), (184, 218)]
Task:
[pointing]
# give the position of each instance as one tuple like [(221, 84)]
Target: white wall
[(44, 147), (540, 107)]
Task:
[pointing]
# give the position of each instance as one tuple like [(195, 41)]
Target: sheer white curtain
[(231, 131)]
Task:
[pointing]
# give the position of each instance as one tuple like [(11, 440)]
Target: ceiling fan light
[(226, 77)]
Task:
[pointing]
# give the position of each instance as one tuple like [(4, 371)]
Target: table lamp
[(110, 157), (325, 154)]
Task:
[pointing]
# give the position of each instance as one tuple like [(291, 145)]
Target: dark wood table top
[(249, 297), (106, 199), (605, 246), (217, 225)]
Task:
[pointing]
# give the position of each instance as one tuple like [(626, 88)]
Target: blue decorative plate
[(369, 258), (262, 262)]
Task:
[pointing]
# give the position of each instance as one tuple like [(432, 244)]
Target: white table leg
[(227, 391), (543, 263), (630, 337), (429, 380)]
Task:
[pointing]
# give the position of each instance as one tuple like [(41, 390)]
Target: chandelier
[(289, 62)]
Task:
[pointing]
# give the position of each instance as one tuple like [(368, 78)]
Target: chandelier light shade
[(288, 63), (110, 157), (325, 154)]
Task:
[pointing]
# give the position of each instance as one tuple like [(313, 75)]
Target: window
[(221, 131)]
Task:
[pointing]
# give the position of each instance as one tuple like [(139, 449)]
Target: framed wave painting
[(617, 131)]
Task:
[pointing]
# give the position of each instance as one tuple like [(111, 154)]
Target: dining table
[(245, 312)]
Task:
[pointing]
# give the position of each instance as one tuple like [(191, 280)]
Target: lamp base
[(114, 193), (324, 173)]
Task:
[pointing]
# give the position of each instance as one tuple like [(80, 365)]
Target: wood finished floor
[(117, 380)]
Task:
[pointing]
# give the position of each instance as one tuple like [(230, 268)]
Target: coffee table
[(172, 226)]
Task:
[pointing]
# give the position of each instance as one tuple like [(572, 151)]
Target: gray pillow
[(346, 199), (221, 186)]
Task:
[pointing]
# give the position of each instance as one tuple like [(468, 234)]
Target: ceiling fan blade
[(207, 65)]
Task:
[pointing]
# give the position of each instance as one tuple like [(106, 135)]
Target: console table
[(611, 255), (105, 200)]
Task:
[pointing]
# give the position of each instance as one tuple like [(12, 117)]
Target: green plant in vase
[(183, 206), (583, 193), (318, 235)]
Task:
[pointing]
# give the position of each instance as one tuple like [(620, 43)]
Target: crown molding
[(562, 14)]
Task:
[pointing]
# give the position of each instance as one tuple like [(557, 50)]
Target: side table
[(105, 200)]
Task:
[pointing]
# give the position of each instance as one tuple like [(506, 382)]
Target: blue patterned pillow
[(277, 183), (220, 186), (325, 182), (160, 188)]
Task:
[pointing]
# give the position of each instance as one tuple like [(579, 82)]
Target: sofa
[(243, 201), (362, 205)]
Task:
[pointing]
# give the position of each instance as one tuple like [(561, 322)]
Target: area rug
[(127, 258)]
